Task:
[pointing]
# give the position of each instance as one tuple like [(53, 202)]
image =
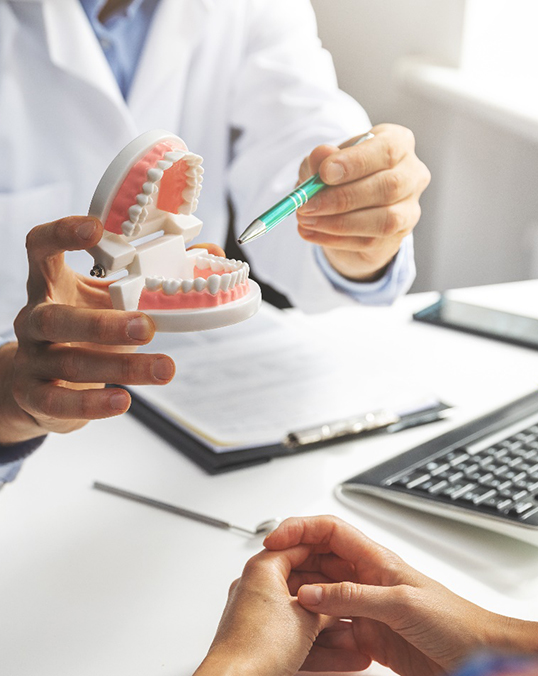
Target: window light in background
[(500, 42)]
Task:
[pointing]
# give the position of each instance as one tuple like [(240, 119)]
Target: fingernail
[(118, 401), (334, 172), (308, 220), (139, 329), (162, 369), (311, 206), (310, 595), (85, 230)]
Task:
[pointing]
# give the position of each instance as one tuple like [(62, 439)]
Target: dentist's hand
[(70, 343), (372, 202), (399, 617)]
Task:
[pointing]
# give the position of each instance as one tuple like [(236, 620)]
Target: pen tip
[(256, 229)]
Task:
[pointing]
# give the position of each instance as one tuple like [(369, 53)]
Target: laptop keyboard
[(498, 476)]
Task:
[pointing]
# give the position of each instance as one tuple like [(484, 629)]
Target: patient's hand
[(264, 631), (70, 342), (399, 617)]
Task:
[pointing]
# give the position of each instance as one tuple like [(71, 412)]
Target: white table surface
[(94, 584)]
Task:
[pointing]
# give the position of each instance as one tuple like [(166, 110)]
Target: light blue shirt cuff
[(9, 471), (395, 282)]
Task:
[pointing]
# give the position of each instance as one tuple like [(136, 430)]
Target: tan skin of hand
[(371, 204), (70, 342), (264, 631), (399, 617)]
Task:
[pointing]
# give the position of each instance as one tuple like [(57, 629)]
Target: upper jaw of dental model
[(214, 274), (173, 184)]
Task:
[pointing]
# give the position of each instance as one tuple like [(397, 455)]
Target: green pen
[(291, 203)]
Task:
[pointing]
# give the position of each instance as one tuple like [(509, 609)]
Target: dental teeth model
[(151, 189)]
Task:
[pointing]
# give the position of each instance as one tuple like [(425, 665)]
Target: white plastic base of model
[(201, 319)]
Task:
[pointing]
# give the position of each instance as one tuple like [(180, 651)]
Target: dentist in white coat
[(246, 84)]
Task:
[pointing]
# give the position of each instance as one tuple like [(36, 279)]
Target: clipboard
[(382, 421)]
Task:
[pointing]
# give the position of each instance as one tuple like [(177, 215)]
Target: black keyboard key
[(438, 487), (505, 505), (456, 457)]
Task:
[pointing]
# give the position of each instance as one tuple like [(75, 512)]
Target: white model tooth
[(225, 280), (234, 277), (194, 205), (202, 262), (199, 284), (174, 156), (194, 160), (134, 212), (186, 285), (142, 199), (164, 165), (188, 194), (127, 228), (192, 172), (171, 286), (217, 265), (149, 187), (213, 284), (155, 174), (185, 209), (154, 283)]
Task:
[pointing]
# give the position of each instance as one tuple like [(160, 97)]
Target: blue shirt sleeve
[(395, 282)]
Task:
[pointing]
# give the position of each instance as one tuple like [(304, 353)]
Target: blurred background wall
[(421, 63)]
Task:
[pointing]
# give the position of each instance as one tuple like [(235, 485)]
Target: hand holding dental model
[(70, 339), (70, 342)]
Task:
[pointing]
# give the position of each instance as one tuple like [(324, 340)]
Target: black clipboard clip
[(375, 421)]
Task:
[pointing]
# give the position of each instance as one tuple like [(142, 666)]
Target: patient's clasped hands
[(324, 597)]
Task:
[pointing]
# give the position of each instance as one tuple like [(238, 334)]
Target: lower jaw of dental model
[(215, 281)]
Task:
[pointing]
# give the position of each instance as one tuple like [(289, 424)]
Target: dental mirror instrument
[(261, 529)]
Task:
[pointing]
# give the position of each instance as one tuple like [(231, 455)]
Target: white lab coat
[(208, 67)]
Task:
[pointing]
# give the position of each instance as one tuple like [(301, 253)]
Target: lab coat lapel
[(74, 48), (157, 90)]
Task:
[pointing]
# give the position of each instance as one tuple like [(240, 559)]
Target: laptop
[(484, 473)]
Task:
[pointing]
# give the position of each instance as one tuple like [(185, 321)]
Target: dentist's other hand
[(399, 617), (371, 204), (70, 342)]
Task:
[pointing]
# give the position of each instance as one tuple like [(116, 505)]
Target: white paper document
[(253, 383)]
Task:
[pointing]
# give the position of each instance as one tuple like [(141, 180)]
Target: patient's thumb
[(346, 599)]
